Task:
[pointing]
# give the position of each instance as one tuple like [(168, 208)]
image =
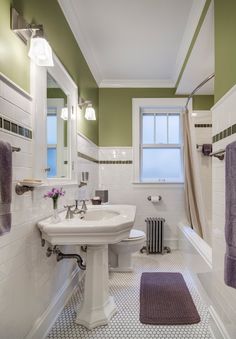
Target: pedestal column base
[(98, 317), (98, 307)]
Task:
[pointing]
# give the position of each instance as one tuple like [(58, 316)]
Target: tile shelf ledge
[(48, 184), (58, 183)]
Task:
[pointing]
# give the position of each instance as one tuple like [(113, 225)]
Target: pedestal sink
[(102, 225)]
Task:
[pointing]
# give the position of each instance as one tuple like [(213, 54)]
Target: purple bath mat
[(165, 300)]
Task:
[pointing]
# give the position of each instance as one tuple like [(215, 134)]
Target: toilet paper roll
[(154, 198)]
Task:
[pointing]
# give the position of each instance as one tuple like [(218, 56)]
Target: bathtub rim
[(200, 245)]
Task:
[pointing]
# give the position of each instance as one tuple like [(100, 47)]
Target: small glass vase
[(55, 217)]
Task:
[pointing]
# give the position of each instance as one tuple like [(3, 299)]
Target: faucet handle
[(76, 210), (69, 206), (84, 207), (69, 213)]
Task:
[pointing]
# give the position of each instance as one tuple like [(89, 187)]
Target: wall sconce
[(40, 51), (89, 110)]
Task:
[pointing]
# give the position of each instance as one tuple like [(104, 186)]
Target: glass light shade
[(64, 113), (90, 113), (40, 52)]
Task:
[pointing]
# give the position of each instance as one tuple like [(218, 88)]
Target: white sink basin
[(105, 224), (99, 215), (102, 225)]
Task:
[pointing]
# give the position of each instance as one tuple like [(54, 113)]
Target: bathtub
[(199, 256), (190, 241)]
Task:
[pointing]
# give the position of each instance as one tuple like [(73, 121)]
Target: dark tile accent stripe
[(110, 162), (116, 162), (203, 125), (11, 126), (225, 133)]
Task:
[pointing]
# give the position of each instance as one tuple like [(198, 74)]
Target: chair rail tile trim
[(104, 162), (10, 126), (203, 125), (224, 134)]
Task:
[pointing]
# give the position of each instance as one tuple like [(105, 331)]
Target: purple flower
[(55, 193)]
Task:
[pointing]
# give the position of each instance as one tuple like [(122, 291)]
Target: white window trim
[(166, 105)]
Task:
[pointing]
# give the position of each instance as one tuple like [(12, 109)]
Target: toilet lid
[(134, 235)]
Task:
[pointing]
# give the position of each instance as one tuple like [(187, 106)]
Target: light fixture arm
[(22, 28), (84, 103)]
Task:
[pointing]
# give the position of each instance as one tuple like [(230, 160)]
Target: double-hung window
[(158, 145)]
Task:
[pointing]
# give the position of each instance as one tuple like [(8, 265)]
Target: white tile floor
[(125, 289)]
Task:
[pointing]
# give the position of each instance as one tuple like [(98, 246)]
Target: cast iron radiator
[(155, 236)]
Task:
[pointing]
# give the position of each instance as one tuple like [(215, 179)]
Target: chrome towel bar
[(219, 154), (16, 149)]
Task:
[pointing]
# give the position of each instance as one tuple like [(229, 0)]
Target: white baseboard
[(172, 243), (217, 327), (44, 323)]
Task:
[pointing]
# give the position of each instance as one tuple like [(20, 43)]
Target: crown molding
[(69, 12), (192, 23), (139, 83), (72, 19)]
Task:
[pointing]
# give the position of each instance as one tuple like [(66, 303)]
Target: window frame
[(154, 145), (158, 106)]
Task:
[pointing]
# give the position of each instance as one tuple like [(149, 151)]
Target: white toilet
[(120, 254)]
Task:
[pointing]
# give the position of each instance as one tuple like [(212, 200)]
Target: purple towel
[(230, 215), (206, 149), (5, 186)]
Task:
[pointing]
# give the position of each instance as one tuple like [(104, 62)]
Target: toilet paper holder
[(149, 198)]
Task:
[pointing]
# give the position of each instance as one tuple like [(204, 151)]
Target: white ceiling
[(202, 60), (133, 43)]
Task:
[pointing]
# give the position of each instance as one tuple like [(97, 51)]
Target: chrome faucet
[(82, 183), (83, 208), (76, 210), (69, 213), (84, 176)]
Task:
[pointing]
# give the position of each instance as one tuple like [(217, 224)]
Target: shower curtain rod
[(198, 87)]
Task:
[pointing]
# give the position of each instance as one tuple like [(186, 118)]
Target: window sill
[(181, 183)]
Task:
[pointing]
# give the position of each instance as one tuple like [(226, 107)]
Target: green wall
[(115, 111), (203, 102), (14, 62), (225, 46), (56, 93)]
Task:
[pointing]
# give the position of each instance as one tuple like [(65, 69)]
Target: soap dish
[(96, 201)]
